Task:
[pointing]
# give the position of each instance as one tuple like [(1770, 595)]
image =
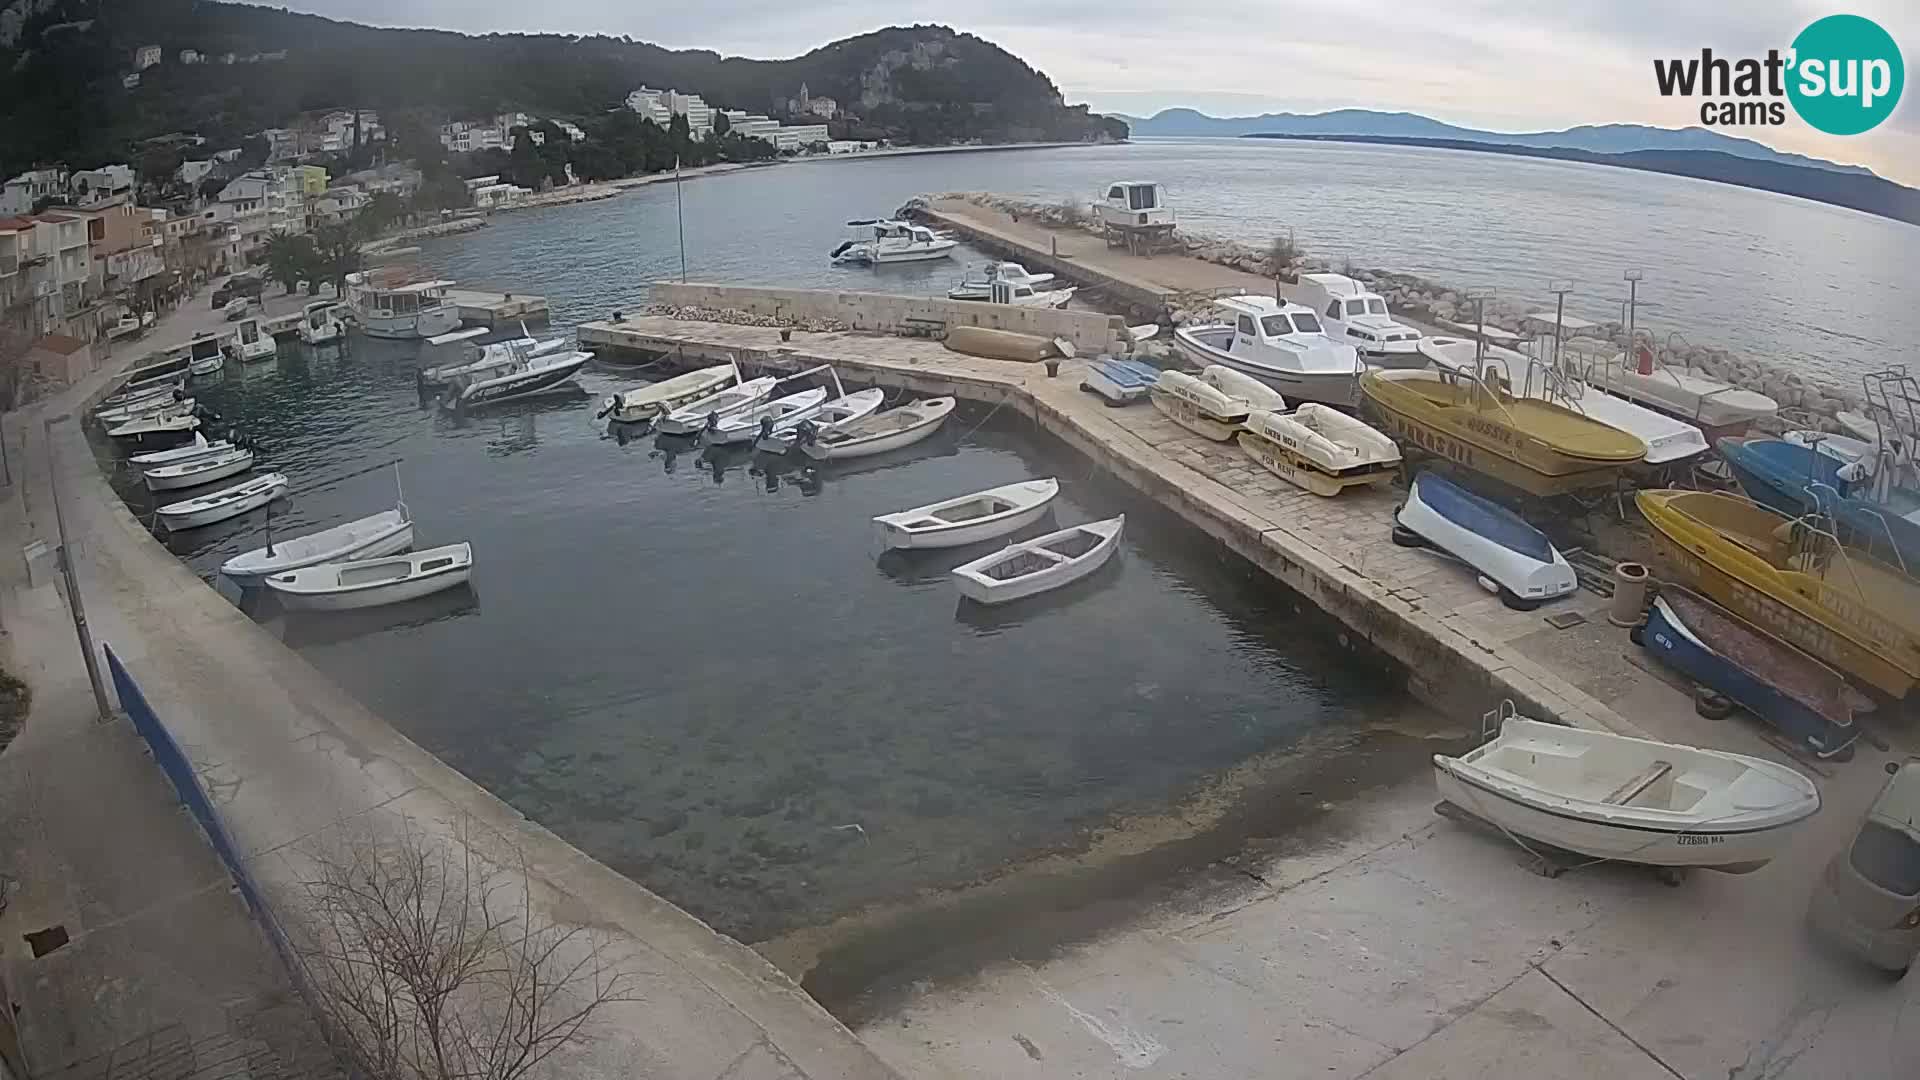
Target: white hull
[(196, 473), (1523, 575), (193, 451), (172, 427), (260, 351), (1631, 800), (208, 365), (1705, 401), (785, 413), (126, 414), (646, 402), (833, 416), (1319, 449), (369, 583), (1328, 388), (692, 417), (322, 335), (386, 533), (1033, 566), (426, 324), (883, 434), (221, 505), (969, 519)]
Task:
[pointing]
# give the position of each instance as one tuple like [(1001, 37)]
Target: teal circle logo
[(1846, 75)]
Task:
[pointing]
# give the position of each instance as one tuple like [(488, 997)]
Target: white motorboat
[(529, 374), (1135, 204), (410, 311), (253, 344), (883, 431), (1028, 296), (690, 418), (978, 282), (1514, 557), (1044, 563), (193, 473), (207, 353), (364, 583), (1282, 345), (643, 403), (1358, 316), (160, 427), (153, 406), (199, 447), (1319, 448), (1714, 404), (835, 414), (1668, 438), (320, 324), (388, 532), (969, 519), (765, 420), (1622, 799), (226, 503), (884, 241), (484, 360)]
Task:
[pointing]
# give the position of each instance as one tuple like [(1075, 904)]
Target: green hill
[(62, 61)]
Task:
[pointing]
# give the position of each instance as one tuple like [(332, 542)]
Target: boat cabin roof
[(1567, 322), (1338, 285), (419, 287), (1260, 305), (1133, 184)]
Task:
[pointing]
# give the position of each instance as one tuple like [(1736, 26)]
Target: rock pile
[(736, 317)]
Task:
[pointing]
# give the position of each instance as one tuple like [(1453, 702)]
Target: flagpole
[(680, 211)]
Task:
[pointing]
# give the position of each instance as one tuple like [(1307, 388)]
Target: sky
[(1507, 65)]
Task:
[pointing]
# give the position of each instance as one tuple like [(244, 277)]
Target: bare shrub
[(427, 963)]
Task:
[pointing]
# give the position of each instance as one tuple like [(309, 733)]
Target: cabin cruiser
[(485, 359), (1133, 204), (1353, 314), (978, 282), (320, 324), (1281, 344), (418, 310), (879, 241)]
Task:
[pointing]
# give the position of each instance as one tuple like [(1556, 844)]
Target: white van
[(1868, 901)]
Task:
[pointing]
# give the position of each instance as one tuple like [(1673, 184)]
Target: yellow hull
[(1855, 614), (1527, 444), (1189, 416), (1296, 469)]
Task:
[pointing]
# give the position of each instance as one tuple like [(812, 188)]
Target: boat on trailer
[(1320, 449), (1119, 381), (226, 503), (891, 429), (967, 519), (1804, 699), (643, 403), (1045, 563), (1620, 799), (365, 583), (1498, 544)]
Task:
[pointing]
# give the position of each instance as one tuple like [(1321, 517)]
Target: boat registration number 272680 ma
[(1700, 838)]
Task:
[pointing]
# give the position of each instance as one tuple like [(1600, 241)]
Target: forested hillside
[(62, 63)]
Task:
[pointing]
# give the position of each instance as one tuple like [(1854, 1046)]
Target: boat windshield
[(1306, 323), (1887, 857), (1376, 306), (1275, 325)]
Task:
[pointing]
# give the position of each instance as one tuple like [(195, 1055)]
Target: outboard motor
[(766, 427), (837, 252)]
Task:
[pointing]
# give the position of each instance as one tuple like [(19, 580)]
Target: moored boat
[(886, 241), (1623, 799), (779, 438), (405, 311), (529, 374), (1496, 542), (163, 429), (363, 583), (153, 406), (1044, 563), (968, 519), (1806, 700), (767, 419), (385, 533), (978, 282), (1536, 446), (320, 324), (198, 471), (1793, 580), (485, 360), (226, 503), (1319, 449), (891, 429), (199, 447), (643, 403), (253, 344), (690, 418)]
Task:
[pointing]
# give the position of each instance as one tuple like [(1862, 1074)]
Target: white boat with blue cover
[(1516, 558), (1042, 564), (1120, 381), (968, 519)]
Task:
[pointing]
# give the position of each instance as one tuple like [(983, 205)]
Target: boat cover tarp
[(1483, 516)]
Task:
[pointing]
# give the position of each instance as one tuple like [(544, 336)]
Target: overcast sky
[(1503, 64)]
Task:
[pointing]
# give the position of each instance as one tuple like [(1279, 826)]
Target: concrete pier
[(496, 310), (1462, 648)]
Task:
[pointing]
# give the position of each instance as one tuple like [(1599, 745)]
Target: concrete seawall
[(297, 768), (1463, 651)]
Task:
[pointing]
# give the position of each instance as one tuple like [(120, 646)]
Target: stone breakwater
[(424, 232), (1814, 403), (736, 317)]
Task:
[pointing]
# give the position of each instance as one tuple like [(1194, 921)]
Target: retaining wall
[(1090, 331)]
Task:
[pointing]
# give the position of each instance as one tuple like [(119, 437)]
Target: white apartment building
[(145, 57), (799, 136), (20, 193), (661, 106), (104, 186), (756, 126), (652, 104)]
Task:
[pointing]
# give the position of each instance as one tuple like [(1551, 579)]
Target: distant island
[(1868, 193)]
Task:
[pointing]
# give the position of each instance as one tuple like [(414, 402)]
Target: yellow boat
[(1792, 580), (1536, 446)]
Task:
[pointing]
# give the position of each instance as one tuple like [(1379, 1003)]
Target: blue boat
[(1121, 382), (1805, 700), (1797, 480)]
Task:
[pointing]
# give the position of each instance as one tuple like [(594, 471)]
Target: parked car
[(1868, 901)]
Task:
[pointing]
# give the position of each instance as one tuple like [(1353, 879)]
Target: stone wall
[(919, 316)]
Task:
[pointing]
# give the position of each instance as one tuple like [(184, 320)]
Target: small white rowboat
[(1612, 797), (199, 471), (1039, 565), (969, 519), (776, 416), (881, 432), (159, 424), (1319, 449), (688, 419), (646, 402), (152, 406), (194, 450), (841, 411), (226, 503), (368, 583), (385, 533)]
